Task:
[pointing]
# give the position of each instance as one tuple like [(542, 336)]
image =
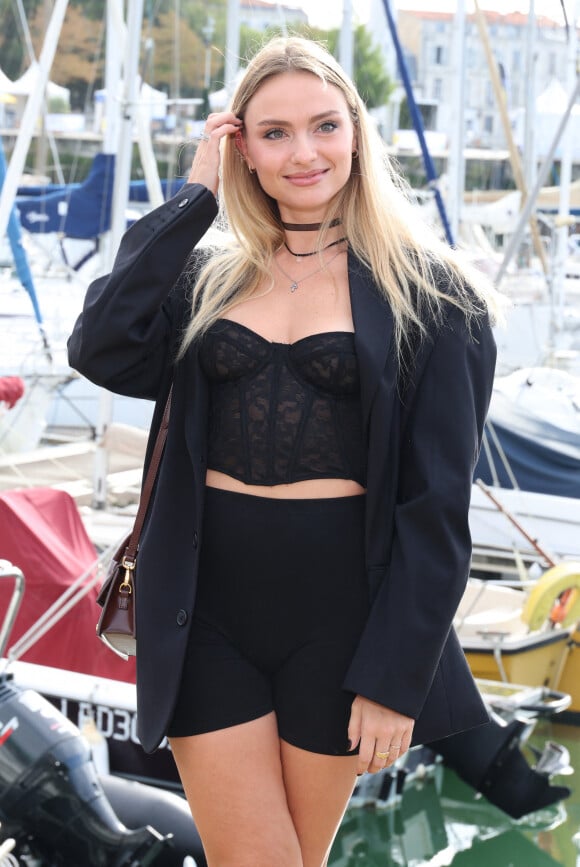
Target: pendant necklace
[(295, 283)]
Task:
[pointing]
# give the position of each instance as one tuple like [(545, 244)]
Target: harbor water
[(442, 822)]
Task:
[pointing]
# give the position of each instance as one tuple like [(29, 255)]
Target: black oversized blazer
[(422, 447)]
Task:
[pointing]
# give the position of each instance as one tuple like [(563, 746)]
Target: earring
[(251, 170), (355, 154)]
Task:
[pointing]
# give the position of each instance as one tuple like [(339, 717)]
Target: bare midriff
[(308, 489)]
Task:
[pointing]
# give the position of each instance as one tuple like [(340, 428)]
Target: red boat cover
[(11, 390), (41, 532)]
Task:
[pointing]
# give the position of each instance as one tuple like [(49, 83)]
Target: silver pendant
[(293, 286)]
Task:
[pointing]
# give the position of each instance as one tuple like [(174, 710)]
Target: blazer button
[(183, 203), (181, 617), (195, 539)]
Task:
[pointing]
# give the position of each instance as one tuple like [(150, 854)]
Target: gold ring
[(383, 755)]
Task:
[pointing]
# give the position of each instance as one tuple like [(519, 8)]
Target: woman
[(308, 541)]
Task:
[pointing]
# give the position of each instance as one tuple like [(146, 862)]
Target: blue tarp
[(74, 210), (45, 205), (138, 191), (542, 456), (18, 251)]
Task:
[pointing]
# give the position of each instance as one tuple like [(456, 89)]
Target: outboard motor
[(51, 800)]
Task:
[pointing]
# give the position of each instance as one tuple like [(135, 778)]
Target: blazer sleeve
[(422, 583), (125, 334)]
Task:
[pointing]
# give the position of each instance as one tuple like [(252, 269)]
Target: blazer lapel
[(373, 323)]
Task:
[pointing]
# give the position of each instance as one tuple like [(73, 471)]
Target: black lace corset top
[(282, 413)]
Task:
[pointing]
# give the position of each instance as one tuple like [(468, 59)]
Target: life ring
[(555, 598)]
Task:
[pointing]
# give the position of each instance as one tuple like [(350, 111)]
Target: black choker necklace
[(310, 227), (314, 252)]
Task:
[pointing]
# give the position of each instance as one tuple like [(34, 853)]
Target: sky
[(327, 13)]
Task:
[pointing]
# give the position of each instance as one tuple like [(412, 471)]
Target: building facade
[(260, 15), (428, 39)]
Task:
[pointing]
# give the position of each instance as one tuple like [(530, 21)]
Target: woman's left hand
[(381, 733)]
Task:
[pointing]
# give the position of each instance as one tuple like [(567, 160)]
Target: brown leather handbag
[(116, 626)]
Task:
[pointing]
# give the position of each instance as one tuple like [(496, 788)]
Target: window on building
[(552, 63), (488, 123), (438, 89), (439, 55), (517, 60), (489, 98)]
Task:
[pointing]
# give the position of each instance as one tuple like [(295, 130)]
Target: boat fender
[(555, 598)]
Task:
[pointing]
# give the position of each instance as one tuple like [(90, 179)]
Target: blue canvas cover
[(542, 455), (75, 210)]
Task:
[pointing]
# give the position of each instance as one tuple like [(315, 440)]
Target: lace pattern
[(283, 412)]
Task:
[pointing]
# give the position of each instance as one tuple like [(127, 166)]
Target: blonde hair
[(383, 228)]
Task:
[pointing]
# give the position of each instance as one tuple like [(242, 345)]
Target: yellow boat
[(525, 632)]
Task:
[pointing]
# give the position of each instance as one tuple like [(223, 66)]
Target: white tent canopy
[(152, 102), (550, 106), (554, 100), (28, 82), (5, 83)]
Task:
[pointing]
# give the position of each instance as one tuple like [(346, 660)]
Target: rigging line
[(88, 103), (59, 608), (490, 459), (22, 20), (512, 519), (566, 21), (25, 31), (502, 455)]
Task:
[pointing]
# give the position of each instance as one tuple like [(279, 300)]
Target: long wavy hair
[(414, 270)]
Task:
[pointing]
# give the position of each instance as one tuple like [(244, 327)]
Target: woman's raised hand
[(382, 734), (206, 162)]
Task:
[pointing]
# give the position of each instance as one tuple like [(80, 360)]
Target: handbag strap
[(130, 554)]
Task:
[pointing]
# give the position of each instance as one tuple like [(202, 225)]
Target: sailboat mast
[(515, 159), (232, 44), (120, 137), (346, 37), (418, 124), (530, 118), (543, 173), (29, 118), (456, 164)]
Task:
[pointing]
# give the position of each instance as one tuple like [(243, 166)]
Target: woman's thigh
[(235, 788), (317, 788), (258, 801)]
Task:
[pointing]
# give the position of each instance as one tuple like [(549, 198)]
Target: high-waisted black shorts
[(281, 602)]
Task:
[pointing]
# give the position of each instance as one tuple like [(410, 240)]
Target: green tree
[(372, 79), (79, 60), (159, 33), (13, 55), (370, 75), (93, 9), (191, 56)]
